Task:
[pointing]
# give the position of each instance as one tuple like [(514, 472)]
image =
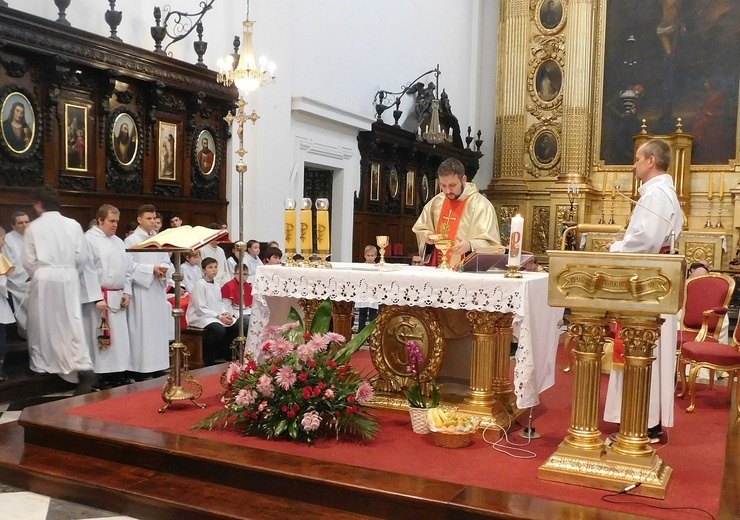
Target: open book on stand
[(183, 237)]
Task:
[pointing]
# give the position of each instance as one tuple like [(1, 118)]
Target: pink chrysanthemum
[(337, 338), (270, 331), (264, 386), (288, 326), (306, 352), (365, 393), (245, 397), (311, 421), (285, 377), (281, 348)]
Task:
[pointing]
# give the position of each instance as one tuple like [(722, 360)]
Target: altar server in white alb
[(18, 280), (113, 269), (655, 224), (150, 322), (54, 254)]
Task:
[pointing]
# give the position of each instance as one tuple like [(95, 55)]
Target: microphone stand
[(661, 217)]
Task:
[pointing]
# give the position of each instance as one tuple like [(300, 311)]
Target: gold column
[(342, 318), (577, 97), (309, 309), (588, 331), (639, 336)]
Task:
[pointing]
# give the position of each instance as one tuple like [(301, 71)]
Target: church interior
[(544, 102)]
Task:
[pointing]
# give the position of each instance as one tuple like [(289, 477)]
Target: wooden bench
[(192, 338)]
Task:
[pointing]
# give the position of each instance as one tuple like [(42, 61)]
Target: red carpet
[(695, 449)]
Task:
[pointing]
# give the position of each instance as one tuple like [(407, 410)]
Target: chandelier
[(248, 74)]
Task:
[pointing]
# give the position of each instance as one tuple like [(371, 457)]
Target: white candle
[(515, 241)]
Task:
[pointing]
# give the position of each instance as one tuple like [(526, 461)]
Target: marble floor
[(17, 504)]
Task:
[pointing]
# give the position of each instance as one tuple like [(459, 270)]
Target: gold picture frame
[(75, 137), (374, 182), (18, 122), (167, 151), (410, 187)]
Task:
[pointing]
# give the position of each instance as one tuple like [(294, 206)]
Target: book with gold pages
[(183, 237)]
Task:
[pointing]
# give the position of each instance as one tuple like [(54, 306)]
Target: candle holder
[(708, 223), (513, 272), (382, 242), (719, 224), (611, 220), (602, 220)]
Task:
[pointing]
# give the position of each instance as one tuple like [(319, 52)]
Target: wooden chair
[(710, 353), (710, 291)]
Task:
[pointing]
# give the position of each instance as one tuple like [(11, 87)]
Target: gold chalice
[(382, 242), (444, 244)]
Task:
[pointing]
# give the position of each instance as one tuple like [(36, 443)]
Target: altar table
[(535, 322)]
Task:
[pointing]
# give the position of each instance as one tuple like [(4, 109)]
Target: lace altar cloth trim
[(535, 323)]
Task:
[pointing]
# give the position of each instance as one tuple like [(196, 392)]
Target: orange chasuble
[(451, 215)]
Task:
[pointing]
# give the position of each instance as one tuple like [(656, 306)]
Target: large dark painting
[(668, 59)]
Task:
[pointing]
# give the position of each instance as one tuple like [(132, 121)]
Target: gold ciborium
[(382, 242)]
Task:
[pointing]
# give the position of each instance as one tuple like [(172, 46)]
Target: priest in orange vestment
[(468, 213)]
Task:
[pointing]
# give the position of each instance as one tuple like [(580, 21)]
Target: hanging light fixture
[(434, 133), (248, 74)]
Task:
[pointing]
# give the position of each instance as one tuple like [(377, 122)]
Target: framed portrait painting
[(374, 182), (550, 14), (205, 152), (75, 137), (545, 149), (424, 188), (393, 182), (410, 187), (548, 80), (167, 146), (125, 139), (19, 122)]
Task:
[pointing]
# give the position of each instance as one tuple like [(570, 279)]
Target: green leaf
[(293, 429), (280, 427), (322, 318), (344, 354), (295, 335)]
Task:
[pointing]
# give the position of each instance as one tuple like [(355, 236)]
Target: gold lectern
[(633, 289)]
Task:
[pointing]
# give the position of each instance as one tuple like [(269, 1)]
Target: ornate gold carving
[(540, 229), (535, 164), (546, 48), (535, 7), (309, 309), (696, 251), (505, 213), (589, 334), (591, 280), (396, 326), (562, 215), (640, 339), (609, 471)]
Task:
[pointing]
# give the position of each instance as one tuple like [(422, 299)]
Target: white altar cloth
[(275, 289)]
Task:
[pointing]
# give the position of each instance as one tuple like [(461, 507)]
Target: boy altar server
[(207, 311)]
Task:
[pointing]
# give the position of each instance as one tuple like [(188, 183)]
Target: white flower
[(311, 421)]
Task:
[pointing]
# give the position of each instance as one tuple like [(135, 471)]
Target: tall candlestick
[(515, 241), (322, 226), (306, 228), (722, 185), (290, 226)]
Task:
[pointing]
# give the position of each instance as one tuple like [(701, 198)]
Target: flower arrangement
[(301, 390), (415, 394)]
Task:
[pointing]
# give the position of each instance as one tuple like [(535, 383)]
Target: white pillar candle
[(515, 241)]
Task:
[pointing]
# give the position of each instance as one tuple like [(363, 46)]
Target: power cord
[(512, 449), (609, 498)]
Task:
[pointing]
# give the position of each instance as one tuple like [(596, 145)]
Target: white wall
[(332, 56)]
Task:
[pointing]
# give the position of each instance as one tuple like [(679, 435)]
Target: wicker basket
[(419, 420), (452, 439)]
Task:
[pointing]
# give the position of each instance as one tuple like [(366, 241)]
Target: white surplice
[(206, 304), (190, 275), (19, 281), (113, 268), (54, 253), (6, 313), (656, 217), (149, 314), (213, 251)]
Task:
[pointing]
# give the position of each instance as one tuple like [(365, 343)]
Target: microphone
[(661, 217)]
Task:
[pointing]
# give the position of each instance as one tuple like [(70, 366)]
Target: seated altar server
[(206, 311)]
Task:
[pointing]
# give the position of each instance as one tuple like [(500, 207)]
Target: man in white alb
[(114, 270), (19, 280), (54, 254), (654, 226), (150, 324)]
